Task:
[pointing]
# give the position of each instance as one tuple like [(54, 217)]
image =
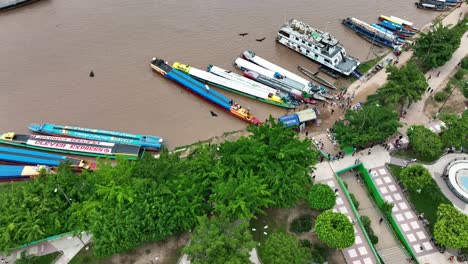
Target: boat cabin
[(8, 136)]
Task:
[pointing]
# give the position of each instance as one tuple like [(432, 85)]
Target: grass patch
[(45, 259), (425, 202), (87, 256), (366, 66), (409, 153)]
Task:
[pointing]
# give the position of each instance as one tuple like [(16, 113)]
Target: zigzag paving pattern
[(360, 252), (412, 228)]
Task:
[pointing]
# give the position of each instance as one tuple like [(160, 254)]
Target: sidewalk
[(69, 246), (360, 252)]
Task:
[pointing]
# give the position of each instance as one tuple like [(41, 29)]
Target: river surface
[(47, 50)]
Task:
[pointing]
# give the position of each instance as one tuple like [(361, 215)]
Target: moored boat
[(317, 45), (315, 77), (73, 145), (400, 38), (245, 65), (431, 5), (291, 91), (370, 33), (251, 56), (18, 173), (406, 24), (232, 86), (20, 156), (394, 27), (147, 142), (203, 91)]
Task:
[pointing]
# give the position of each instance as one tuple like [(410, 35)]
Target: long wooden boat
[(315, 77), (73, 146), (370, 33), (147, 142), (19, 173), (251, 56), (203, 91), (291, 91), (400, 36), (20, 156), (231, 86), (406, 24)]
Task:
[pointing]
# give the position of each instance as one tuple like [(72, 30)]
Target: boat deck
[(70, 145)]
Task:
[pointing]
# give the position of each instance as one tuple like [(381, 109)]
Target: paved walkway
[(437, 169), (68, 244), (360, 252)]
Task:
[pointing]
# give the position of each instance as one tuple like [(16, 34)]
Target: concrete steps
[(393, 255)]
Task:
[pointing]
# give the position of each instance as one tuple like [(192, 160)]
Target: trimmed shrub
[(354, 200), (366, 222), (441, 96), (464, 63), (321, 197), (304, 223), (335, 230), (460, 74), (427, 144)]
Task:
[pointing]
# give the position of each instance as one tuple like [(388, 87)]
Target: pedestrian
[(332, 111), (421, 248), (438, 74), (430, 92), (428, 88), (307, 133), (336, 190), (380, 221), (429, 77), (370, 170), (369, 152)]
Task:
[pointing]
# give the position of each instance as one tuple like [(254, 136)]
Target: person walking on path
[(332, 111), (430, 76), (432, 90), (380, 221), (438, 74), (428, 89), (369, 152)]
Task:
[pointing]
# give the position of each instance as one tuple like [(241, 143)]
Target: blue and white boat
[(147, 142)]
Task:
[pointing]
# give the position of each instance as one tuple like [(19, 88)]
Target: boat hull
[(74, 147), (147, 142), (205, 93)]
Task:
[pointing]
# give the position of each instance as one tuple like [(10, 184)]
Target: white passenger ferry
[(316, 45)]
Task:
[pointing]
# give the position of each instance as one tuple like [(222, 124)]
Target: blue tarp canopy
[(289, 120)]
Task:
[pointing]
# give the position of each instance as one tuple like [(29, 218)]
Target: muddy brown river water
[(47, 50)]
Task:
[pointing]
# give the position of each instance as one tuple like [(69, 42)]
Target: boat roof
[(306, 115), (310, 33)]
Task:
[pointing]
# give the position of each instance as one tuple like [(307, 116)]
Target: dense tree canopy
[(282, 248), (424, 142), (451, 229), (131, 203), (416, 177), (455, 134), (335, 230), (435, 48), (276, 155), (321, 197), (404, 86), (371, 125), (218, 241)]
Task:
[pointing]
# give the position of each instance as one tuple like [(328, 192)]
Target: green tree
[(321, 197), (371, 125), (282, 248), (451, 229), (404, 85), (276, 155), (455, 134), (435, 48), (335, 230), (241, 195), (416, 177), (425, 143), (217, 240)]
